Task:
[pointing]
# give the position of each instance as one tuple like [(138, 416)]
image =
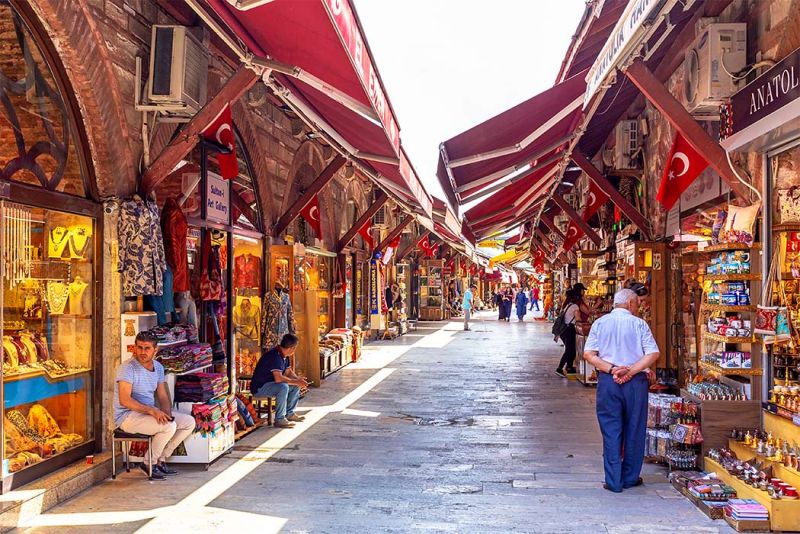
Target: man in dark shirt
[(273, 377)]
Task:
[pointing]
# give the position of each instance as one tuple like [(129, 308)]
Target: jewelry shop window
[(47, 342)]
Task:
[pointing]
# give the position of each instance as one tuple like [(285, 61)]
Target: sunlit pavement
[(440, 430)]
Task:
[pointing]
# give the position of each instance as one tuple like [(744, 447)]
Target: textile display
[(185, 358), (200, 387), (141, 248), (175, 228)]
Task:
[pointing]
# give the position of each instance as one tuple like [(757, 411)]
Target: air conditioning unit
[(626, 136), (178, 69), (718, 51), (379, 219), (571, 199)]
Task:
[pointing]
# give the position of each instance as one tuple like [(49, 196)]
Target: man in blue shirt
[(622, 348), (274, 377), (466, 305), (142, 405)]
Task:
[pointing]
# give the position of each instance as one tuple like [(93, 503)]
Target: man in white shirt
[(622, 348), (466, 305)]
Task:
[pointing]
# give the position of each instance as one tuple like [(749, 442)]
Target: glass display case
[(47, 333), (430, 287)]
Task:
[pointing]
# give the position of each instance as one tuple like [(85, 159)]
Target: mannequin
[(76, 289), (277, 319)]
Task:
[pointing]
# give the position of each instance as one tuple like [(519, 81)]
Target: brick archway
[(70, 34)]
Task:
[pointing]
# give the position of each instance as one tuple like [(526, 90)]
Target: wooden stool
[(265, 405), (118, 436)]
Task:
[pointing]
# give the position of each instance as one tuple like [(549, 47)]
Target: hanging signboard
[(374, 293), (618, 44), (218, 199)]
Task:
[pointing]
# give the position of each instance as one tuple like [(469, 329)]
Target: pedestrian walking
[(622, 348), (501, 309), (508, 298), (467, 304), (535, 297), (521, 301), (570, 312)]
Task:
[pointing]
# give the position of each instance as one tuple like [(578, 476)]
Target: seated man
[(142, 405), (273, 377)]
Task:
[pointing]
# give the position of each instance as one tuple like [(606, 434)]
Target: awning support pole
[(575, 216), (391, 236), (682, 120), (237, 85), (628, 209), (380, 200), (305, 199)]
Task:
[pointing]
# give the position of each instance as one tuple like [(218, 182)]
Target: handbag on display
[(789, 204), (765, 319)]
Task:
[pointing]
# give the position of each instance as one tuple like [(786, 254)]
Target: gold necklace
[(57, 295)]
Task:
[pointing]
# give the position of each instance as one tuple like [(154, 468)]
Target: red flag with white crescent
[(684, 165), (574, 233), (220, 131), (425, 246), (364, 233), (311, 214), (594, 201)]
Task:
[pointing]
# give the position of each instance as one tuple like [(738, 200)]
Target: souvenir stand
[(402, 277), (598, 276), (430, 287)]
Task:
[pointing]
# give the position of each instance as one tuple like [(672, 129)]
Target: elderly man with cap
[(622, 348)]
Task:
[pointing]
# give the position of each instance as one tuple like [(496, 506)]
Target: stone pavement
[(438, 431)]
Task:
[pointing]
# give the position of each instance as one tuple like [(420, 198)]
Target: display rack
[(430, 283)]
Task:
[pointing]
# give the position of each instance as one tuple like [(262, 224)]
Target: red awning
[(323, 38), (526, 134)]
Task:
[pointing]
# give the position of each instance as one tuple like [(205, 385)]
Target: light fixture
[(567, 182)]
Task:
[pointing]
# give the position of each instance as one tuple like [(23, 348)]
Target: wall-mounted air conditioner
[(626, 137), (719, 50), (178, 68)]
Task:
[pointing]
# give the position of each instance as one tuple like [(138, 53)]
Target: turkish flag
[(434, 250), (220, 131), (574, 233), (312, 216), (684, 165), (364, 233), (594, 201), (425, 246)]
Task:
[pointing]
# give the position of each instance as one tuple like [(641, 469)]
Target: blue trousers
[(622, 414), (286, 398)]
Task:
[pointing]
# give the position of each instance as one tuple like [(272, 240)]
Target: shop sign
[(768, 93), (618, 44), (359, 289), (344, 20), (374, 302), (218, 199)]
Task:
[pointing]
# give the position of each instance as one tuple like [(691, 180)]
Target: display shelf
[(724, 247), (191, 371), (783, 514), (242, 433), (724, 308), (736, 371), (170, 344), (732, 277), (786, 227), (743, 452), (717, 417), (726, 339), (39, 387)]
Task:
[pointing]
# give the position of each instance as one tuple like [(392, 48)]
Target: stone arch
[(70, 33), (259, 164)]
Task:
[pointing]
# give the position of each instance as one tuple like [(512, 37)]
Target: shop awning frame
[(365, 217)]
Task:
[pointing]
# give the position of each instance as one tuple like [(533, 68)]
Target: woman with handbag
[(571, 315)]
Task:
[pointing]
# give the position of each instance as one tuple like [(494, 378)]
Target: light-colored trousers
[(166, 437), (467, 315)]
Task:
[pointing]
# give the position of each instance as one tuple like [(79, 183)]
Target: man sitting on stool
[(142, 405), (273, 377)]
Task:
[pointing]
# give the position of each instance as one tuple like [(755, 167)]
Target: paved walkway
[(438, 431)]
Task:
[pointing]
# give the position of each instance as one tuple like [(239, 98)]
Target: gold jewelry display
[(57, 295), (79, 242), (17, 236), (11, 353), (57, 241), (76, 289)]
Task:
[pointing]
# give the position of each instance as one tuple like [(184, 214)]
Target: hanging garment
[(176, 230), (185, 302), (163, 305), (277, 319), (141, 248), (247, 319), (210, 271), (247, 271)]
